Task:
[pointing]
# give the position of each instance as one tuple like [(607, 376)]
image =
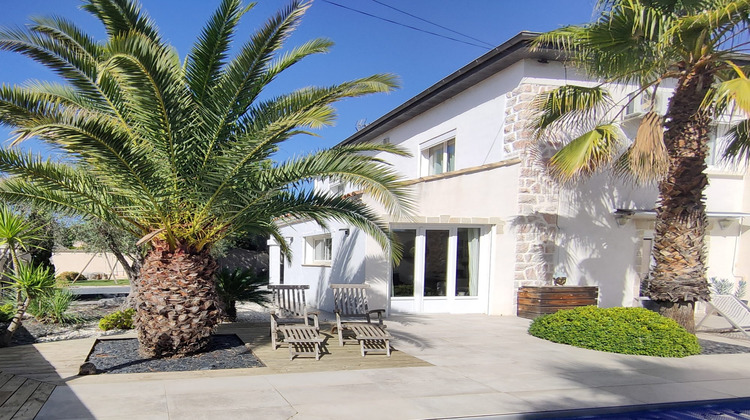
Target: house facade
[(487, 221)]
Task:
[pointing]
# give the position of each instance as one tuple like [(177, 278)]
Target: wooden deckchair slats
[(289, 308)]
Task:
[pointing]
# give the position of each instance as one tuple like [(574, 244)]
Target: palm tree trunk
[(177, 306), (14, 323), (679, 277)]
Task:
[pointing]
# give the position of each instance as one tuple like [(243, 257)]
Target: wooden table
[(302, 340), (370, 337)]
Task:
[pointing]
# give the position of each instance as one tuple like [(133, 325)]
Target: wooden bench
[(302, 340), (370, 337)]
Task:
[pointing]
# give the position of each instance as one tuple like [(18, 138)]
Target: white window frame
[(311, 243), (440, 141)]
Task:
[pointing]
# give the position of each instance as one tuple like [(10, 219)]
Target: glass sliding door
[(441, 270), (436, 263), (403, 273)]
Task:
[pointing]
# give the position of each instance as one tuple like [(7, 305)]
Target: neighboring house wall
[(88, 263)]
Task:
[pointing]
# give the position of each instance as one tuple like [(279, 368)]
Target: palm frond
[(586, 154), (738, 146), (734, 91), (646, 160), (568, 107), (205, 61), (121, 17)]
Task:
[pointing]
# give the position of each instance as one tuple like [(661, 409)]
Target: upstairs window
[(439, 155)]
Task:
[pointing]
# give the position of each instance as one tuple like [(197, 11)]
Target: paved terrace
[(446, 366)]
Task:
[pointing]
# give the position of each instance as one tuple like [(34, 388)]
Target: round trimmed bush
[(617, 330), (118, 320)]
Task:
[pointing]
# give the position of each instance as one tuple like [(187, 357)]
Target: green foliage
[(721, 286), (68, 276), (618, 330), (151, 143), (118, 320), (7, 311), (727, 287), (32, 280), (52, 307), (242, 285)]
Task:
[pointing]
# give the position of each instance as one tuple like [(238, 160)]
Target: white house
[(487, 222)]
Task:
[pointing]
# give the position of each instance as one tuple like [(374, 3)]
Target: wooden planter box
[(534, 301)]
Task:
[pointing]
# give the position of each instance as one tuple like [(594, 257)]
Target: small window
[(716, 144), (440, 158), (337, 188), (318, 250)]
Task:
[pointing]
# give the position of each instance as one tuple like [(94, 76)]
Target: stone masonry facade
[(535, 226)]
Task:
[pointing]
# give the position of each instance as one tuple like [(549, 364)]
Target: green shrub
[(118, 320), (7, 311), (53, 306), (69, 276), (617, 330)]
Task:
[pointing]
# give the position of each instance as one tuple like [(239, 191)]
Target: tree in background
[(179, 152), (643, 44)]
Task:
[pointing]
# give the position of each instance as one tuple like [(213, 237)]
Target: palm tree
[(643, 44), (180, 153)]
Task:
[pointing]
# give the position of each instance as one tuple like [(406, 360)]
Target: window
[(318, 249), (439, 155), (716, 144)]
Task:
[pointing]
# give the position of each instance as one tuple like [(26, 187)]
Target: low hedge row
[(617, 330)]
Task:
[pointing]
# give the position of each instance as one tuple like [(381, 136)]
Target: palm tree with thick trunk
[(691, 45), (180, 152)]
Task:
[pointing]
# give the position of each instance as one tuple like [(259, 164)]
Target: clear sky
[(363, 44)]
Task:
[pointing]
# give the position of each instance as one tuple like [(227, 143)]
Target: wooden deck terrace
[(22, 398)]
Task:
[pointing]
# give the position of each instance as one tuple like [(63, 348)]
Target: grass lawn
[(120, 282)]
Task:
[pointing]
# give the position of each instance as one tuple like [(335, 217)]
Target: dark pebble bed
[(122, 356)]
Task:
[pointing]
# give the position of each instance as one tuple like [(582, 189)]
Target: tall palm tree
[(180, 153), (690, 44)]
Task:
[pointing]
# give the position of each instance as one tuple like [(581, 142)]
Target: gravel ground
[(121, 356)]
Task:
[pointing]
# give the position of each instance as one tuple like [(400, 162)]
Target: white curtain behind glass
[(473, 239)]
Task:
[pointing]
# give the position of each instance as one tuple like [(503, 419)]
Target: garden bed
[(225, 351)]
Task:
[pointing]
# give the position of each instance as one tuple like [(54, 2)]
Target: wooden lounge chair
[(290, 309), (353, 317), (732, 309)]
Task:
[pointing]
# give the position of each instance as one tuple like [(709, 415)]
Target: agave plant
[(180, 152), (642, 44), (31, 282)]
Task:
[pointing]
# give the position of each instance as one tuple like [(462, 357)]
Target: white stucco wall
[(87, 263)]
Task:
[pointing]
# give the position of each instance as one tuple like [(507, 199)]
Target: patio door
[(440, 270)]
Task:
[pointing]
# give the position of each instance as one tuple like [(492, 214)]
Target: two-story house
[(487, 221)]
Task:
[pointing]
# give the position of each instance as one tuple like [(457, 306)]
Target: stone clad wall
[(535, 227)]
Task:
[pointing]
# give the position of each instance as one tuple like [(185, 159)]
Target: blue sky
[(363, 45)]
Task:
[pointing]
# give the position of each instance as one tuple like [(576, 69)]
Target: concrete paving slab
[(517, 373)]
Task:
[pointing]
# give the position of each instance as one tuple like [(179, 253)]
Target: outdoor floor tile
[(531, 382), (665, 393), (364, 393), (265, 413), (310, 379), (735, 387), (470, 405), (566, 399), (63, 404), (391, 409), (215, 385), (181, 404)]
